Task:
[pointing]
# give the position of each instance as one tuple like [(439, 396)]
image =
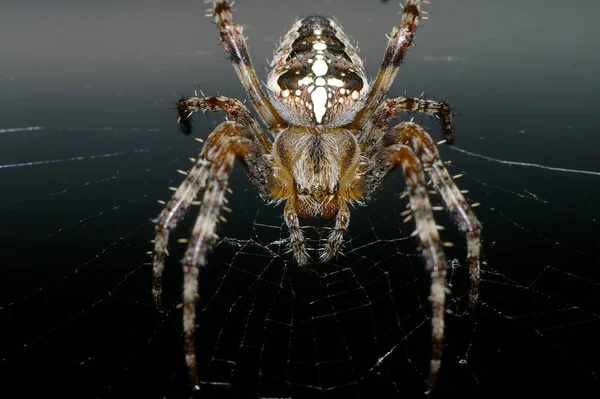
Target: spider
[(330, 143)]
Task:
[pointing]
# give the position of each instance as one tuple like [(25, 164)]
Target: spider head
[(316, 77)]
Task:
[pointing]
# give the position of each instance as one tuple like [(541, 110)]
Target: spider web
[(77, 306), (81, 189)]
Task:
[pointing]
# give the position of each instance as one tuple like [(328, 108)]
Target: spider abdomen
[(316, 77)]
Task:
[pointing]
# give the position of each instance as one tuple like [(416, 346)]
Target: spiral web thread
[(76, 288)]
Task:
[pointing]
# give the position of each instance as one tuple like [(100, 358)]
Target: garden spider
[(332, 144)]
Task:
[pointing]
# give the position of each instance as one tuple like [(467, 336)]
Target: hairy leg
[(379, 166), (233, 108), (399, 42), (455, 202), (336, 238), (235, 44), (258, 169), (168, 218), (378, 125), (226, 143), (297, 244), (220, 150)]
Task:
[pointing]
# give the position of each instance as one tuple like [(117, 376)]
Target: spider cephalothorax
[(330, 143)]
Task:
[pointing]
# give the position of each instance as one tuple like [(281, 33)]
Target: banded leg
[(226, 143), (455, 202), (234, 108), (381, 164), (235, 44), (378, 125), (258, 170), (222, 147), (168, 218), (399, 42), (336, 238), (297, 244)]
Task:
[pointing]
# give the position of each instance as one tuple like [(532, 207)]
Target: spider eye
[(301, 190)]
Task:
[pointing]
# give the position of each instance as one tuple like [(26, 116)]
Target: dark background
[(97, 78)]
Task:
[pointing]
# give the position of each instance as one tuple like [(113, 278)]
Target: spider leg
[(379, 166), (226, 143), (196, 177), (454, 200), (399, 42), (336, 238), (168, 218), (377, 125), (234, 108), (235, 44), (223, 146), (297, 244)]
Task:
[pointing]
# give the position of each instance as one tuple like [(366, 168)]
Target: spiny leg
[(382, 164), (234, 108), (235, 43), (226, 143), (336, 238), (399, 42), (258, 171), (378, 125), (168, 218), (453, 199), (297, 243), (222, 147)]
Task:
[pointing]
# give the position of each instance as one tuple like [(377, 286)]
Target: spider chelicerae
[(330, 143)]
